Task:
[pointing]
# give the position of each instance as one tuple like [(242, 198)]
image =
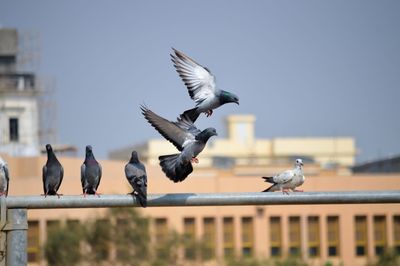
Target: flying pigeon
[(189, 140), (53, 173), (90, 173), (4, 178), (201, 86), (135, 172), (290, 179)]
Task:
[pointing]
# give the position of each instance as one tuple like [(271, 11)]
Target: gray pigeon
[(201, 86), (289, 179), (53, 173), (90, 173), (135, 172), (189, 140), (4, 178)]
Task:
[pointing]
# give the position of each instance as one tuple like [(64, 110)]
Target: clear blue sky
[(304, 68)]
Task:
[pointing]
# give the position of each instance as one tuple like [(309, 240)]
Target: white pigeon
[(4, 178), (290, 179)]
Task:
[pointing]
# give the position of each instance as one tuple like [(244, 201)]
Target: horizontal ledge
[(203, 199)]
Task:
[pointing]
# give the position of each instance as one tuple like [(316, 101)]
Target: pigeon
[(90, 173), (135, 172), (201, 86), (290, 179), (4, 178), (53, 173), (184, 135)]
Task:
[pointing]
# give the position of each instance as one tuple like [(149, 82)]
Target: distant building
[(19, 115), (388, 165), (241, 147)]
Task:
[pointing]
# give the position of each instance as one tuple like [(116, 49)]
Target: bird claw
[(285, 191), (194, 160), (209, 113), (59, 195)]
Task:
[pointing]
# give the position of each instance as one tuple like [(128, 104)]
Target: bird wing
[(44, 175), (178, 133), (83, 179), (61, 177), (100, 174), (198, 79), (7, 175), (284, 177)]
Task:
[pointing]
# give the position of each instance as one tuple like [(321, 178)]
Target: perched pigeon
[(135, 172), (290, 179), (90, 173), (53, 173), (4, 178), (201, 86), (189, 140)]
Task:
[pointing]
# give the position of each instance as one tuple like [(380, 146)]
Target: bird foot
[(98, 194), (2, 193), (209, 113), (285, 191), (194, 160), (59, 195), (298, 190)]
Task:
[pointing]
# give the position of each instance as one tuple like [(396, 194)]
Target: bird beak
[(237, 102)]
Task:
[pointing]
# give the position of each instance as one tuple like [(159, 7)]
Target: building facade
[(19, 114), (342, 234)]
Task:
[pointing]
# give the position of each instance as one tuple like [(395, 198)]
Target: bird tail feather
[(268, 189), (269, 179), (173, 169), (193, 114)]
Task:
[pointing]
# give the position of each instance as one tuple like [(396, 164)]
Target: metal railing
[(14, 224)]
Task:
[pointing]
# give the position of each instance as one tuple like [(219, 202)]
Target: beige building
[(241, 147), (348, 234)]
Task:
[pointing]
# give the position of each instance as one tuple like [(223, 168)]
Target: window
[(161, 230), (33, 241), (294, 236), (380, 239), (14, 132), (361, 235), (333, 236), (313, 237), (275, 236), (209, 238), (229, 237), (52, 226), (100, 239), (189, 228), (396, 233), (247, 236)]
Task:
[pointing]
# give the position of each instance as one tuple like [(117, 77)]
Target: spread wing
[(178, 133), (284, 177), (198, 79)]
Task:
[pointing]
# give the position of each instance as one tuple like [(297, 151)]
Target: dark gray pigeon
[(90, 173), (201, 86), (53, 173), (4, 178), (135, 172), (189, 140)]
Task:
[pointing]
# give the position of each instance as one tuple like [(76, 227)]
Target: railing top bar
[(203, 199)]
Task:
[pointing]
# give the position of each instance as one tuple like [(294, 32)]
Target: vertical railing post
[(16, 228)]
